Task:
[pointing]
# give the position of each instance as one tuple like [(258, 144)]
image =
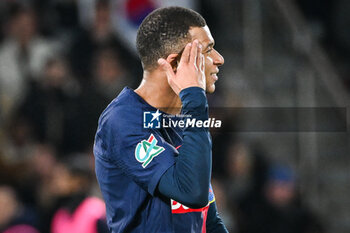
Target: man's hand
[(190, 72)]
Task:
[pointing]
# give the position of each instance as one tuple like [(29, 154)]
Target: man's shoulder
[(124, 110), (121, 118)]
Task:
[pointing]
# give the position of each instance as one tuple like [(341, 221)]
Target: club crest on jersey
[(146, 150)]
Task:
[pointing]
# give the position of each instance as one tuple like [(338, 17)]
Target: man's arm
[(214, 223), (187, 181)]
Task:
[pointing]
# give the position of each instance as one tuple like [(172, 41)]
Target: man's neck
[(155, 90)]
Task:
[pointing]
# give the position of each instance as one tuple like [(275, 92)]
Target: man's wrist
[(193, 97), (194, 102)]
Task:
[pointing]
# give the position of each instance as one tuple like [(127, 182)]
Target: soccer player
[(158, 179)]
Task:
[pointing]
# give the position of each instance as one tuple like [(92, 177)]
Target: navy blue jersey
[(130, 161)]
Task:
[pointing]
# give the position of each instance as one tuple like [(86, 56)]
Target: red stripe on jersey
[(205, 214), (178, 208)]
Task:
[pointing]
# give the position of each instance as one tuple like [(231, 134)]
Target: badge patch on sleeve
[(146, 150)]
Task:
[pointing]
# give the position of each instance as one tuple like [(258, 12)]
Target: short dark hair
[(165, 31)]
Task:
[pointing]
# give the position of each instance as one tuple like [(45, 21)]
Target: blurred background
[(63, 61)]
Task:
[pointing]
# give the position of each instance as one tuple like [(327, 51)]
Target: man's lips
[(214, 75)]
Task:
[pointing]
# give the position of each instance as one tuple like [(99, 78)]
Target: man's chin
[(210, 89)]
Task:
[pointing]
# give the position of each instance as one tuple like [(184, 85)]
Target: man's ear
[(173, 61)]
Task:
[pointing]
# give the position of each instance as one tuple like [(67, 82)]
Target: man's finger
[(194, 49), (201, 62), (185, 57), (202, 69), (199, 57)]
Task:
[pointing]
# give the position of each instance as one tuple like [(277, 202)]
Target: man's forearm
[(188, 180)]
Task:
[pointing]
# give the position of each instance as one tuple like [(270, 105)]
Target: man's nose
[(218, 58)]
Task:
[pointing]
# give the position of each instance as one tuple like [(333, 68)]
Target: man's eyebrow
[(211, 44)]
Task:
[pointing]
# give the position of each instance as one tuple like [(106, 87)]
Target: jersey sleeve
[(188, 181), (141, 154)]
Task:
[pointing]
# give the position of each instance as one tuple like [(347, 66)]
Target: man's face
[(213, 58)]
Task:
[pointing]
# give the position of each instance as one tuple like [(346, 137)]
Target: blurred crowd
[(57, 74), (56, 77)]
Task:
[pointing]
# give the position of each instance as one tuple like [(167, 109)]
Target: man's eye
[(209, 51)]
